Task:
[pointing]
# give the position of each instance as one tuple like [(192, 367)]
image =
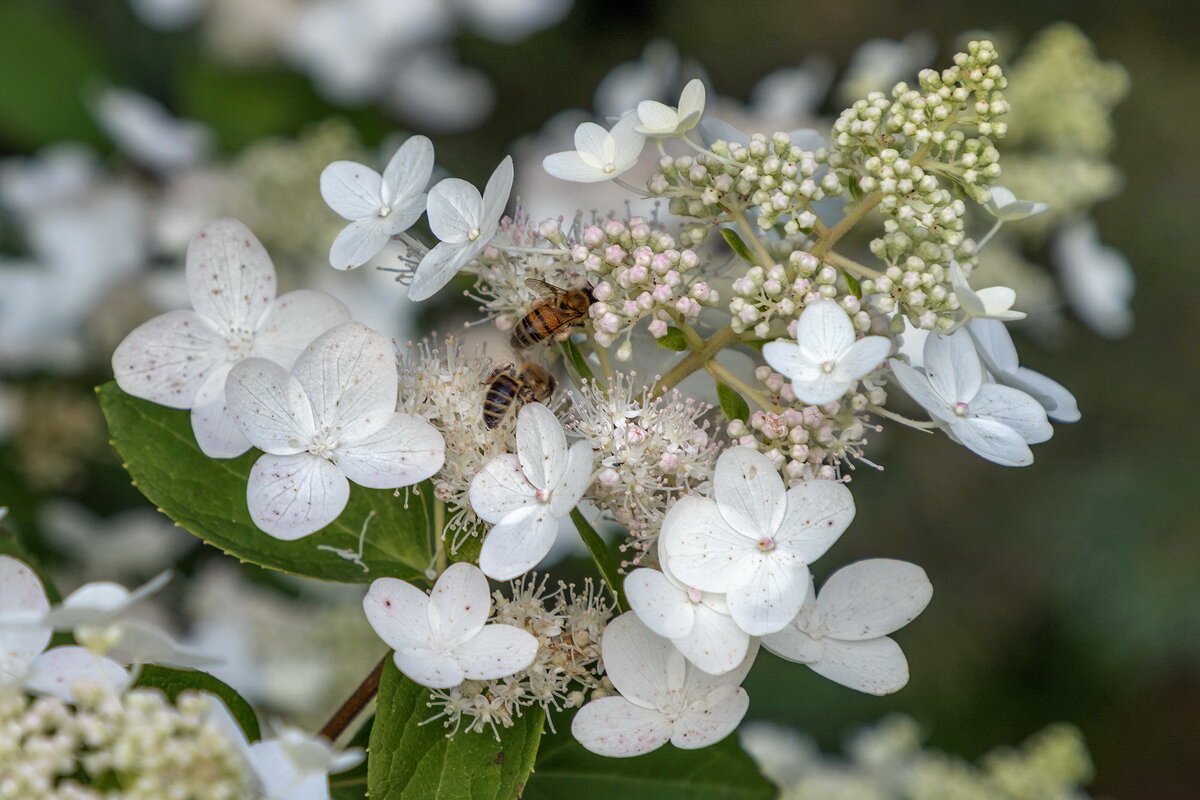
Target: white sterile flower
[(443, 639), (1000, 357), (148, 133), (330, 421), (696, 622), (599, 155), (993, 421), (296, 765), (1097, 279), (181, 358), (378, 206), (826, 358), (842, 632), (526, 494), (994, 302), (663, 697), (1005, 207), (24, 659), (464, 223), (658, 120), (753, 542), (100, 603)]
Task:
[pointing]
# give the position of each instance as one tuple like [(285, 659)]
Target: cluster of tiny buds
[(807, 442), (640, 271), (782, 290)]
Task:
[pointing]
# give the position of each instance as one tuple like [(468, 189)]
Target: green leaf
[(605, 561), (173, 681), (208, 497), (732, 404), (852, 282), (673, 340), (577, 361), (856, 192), (721, 772), (410, 761), (736, 243)]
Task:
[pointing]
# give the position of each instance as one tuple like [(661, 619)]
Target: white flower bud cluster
[(807, 442), (777, 294), (650, 452), (137, 744), (568, 624), (639, 271)]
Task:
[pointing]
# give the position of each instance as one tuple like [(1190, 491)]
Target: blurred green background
[(1066, 591)]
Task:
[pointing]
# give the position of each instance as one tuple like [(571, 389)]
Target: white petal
[(818, 512), (500, 488), (214, 425), (495, 652), (711, 719), (715, 643), (270, 406), (663, 607), (22, 597), (516, 544), (995, 345), (637, 660), (454, 208), (794, 644), (994, 441), (593, 143), (968, 300), (872, 598), (281, 777), (406, 451), (495, 195), (167, 359), (788, 359), (349, 375), (824, 331), (1058, 401), (701, 549), (953, 366), (398, 612), (615, 727), (293, 496), (230, 278), (691, 104), (862, 357), (56, 671), (819, 387), (749, 491), (292, 321), (359, 242), (437, 268), (767, 591), (408, 172), (459, 603), (570, 166), (998, 198), (575, 479), (918, 387), (541, 446), (143, 643), (1015, 409), (655, 117), (428, 668), (997, 302), (627, 143), (352, 190), (876, 666)]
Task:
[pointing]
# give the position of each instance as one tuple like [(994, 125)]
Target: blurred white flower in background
[(130, 545), (1097, 280), (148, 133)]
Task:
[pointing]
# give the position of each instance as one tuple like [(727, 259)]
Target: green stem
[(863, 271), (440, 560), (723, 375), (695, 360), (755, 243), (603, 558), (843, 226)]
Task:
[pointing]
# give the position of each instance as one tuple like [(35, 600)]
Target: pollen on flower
[(568, 624)]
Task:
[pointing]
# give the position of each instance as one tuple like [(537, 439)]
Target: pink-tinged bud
[(548, 229), (793, 417), (812, 416), (772, 287), (776, 458), (658, 328), (824, 433), (603, 291), (621, 276), (851, 304), (638, 274), (579, 253), (827, 473), (684, 306), (748, 315), (608, 477), (799, 452), (762, 372), (660, 264), (614, 254), (634, 434), (658, 184), (642, 256), (748, 441), (645, 301), (668, 462), (592, 263), (604, 339), (775, 383), (593, 236), (662, 294), (672, 278), (792, 328), (630, 308), (795, 470), (786, 306), (609, 323), (614, 229), (694, 594), (700, 291), (688, 260), (736, 428), (639, 230)]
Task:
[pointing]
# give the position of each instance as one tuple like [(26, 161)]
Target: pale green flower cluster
[(131, 746)]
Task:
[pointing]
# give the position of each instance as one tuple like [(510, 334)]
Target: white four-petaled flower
[(443, 638), (842, 633), (525, 494), (663, 697), (181, 358), (378, 206), (994, 302), (1000, 357), (826, 357), (1005, 207), (753, 542), (599, 155), (331, 420), (659, 120), (24, 635), (464, 222), (996, 422)]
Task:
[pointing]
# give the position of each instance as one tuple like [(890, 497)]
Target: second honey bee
[(509, 385), (554, 312)]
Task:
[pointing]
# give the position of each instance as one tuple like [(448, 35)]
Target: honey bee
[(553, 313), (509, 385)]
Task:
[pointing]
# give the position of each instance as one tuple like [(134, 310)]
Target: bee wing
[(544, 289)]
